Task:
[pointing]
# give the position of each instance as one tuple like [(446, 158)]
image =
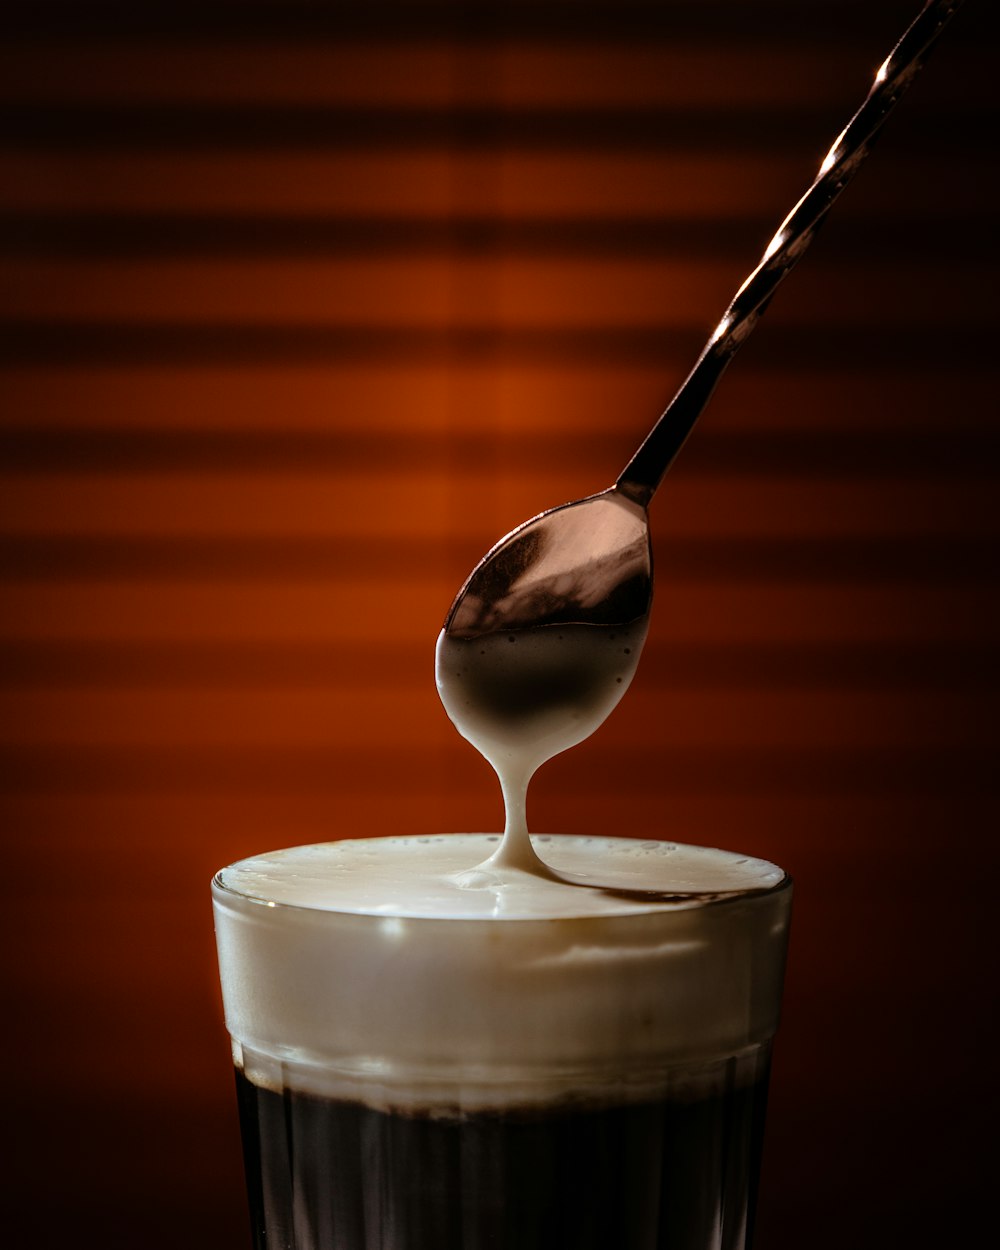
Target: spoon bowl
[(584, 563), (545, 635)]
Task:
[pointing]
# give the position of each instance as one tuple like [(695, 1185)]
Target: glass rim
[(647, 903)]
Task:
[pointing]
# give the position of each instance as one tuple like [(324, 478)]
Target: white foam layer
[(385, 969), (437, 877)]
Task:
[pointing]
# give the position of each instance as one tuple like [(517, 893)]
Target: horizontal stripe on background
[(529, 295), (83, 125), (965, 453), (921, 560), (27, 663), (396, 717), (795, 348), (615, 71), (388, 610), (177, 832), (249, 236), (447, 184), (788, 771), (772, 23), (459, 510), (180, 834), (581, 402)]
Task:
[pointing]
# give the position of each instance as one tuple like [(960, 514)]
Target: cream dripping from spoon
[(543, 641)]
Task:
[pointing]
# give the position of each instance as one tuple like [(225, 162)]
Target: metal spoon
[(589, 561), (588, 564)]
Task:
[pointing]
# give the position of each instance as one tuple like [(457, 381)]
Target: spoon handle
[(644, 472)]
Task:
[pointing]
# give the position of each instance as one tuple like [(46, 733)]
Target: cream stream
[(521, 697)]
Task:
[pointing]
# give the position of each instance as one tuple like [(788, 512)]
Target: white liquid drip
[(521, 698)]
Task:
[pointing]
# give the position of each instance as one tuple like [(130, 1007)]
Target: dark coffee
[(676, 1173)]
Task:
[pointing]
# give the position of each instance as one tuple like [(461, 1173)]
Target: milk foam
[(377, 969)]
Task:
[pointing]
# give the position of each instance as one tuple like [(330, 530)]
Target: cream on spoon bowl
[(543, 640)]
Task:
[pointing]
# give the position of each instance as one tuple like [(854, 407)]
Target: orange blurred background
[(302, 307)]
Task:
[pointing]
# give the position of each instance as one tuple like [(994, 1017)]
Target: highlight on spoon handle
[(644, 472)]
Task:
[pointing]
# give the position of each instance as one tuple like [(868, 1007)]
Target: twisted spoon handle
[(644, 472)]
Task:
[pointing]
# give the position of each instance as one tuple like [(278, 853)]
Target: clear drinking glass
[(412, 1081)]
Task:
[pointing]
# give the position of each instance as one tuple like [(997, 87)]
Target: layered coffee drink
[(434, 1053)]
